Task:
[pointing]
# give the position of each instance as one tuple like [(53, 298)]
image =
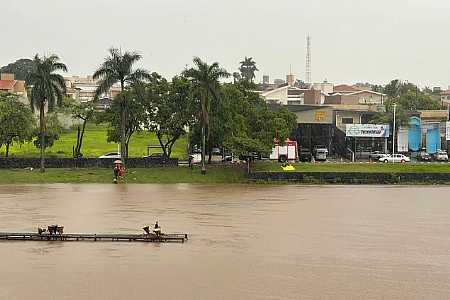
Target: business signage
[(320, 116), (367, 130), (447, 131)]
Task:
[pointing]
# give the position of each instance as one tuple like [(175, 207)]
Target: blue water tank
[(415, 134), (433, 138)]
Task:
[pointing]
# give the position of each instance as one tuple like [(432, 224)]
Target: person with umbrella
[(119, 170)]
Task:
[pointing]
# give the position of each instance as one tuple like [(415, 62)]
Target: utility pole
[(393, 135)]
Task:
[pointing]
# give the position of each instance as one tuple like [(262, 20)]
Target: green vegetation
[(16, 121), (95, 144), (118, 68), (149, 175), (356, 167), (48, 91)]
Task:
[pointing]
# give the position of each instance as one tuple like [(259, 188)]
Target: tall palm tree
[(248, 69), (206, 81), (118, 68), (48, 90)]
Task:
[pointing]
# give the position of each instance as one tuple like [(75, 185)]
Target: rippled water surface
[(246, 242)]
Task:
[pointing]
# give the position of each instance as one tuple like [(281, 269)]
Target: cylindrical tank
[(414, 134)]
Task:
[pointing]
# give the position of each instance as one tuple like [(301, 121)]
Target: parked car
[(376, 155), (111, 155), (320, 153), (305, 154), (441, 156), (396, 158), (424, 156), (215, 151)]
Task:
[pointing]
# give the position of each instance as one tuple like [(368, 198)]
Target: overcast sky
[(352, 40)]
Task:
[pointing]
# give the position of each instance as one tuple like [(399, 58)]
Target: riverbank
[(139, 175), (319, 173), (356, 167)]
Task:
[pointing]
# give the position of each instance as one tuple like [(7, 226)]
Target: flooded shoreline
[(246, 242)]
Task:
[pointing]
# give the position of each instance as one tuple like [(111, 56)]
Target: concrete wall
[(356, 116), (369, 98), (21, 163), (352, 177), (342, 99), (315, 116)]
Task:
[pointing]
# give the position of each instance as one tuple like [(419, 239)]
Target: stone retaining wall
[(21, 163), (352, 177)]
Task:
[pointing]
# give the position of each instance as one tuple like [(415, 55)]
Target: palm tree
[(206, 81), (49, 89), (118, 68), (248, 68)]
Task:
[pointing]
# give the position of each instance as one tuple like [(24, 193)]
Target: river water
[(246, 242)]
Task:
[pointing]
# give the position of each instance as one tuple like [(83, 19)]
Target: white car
[(441, 156), (111, 155), (397, 158)]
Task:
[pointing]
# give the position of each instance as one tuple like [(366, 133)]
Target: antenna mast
[(308, 60)]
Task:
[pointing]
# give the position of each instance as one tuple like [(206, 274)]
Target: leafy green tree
[(236, 77), (393, 89), (170, 108), (413, 100), (51, 134), (48, 91), (118, 68), (86, 113), (135, 115), (21, 68), (248, 69), (17, 121), (243, 124), (205, 79)]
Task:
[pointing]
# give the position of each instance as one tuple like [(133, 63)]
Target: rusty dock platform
[(74, 237)]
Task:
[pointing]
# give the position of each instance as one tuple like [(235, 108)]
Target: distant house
[(351, 95), (290, 95), (445, 98), (9, 84), (83, 89)]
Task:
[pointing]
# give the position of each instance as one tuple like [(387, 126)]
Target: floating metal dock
[(73, 237)]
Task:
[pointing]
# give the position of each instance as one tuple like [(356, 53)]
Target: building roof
[(7, 84), (367, 91), (345, 88)]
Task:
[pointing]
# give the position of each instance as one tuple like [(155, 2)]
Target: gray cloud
[(353, 40)]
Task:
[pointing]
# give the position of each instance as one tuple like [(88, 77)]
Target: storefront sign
[(367, 130), (319, 116)]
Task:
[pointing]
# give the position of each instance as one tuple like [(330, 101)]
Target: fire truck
[(286, 152)]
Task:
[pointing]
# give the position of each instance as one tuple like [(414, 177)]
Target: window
[(347, 120)]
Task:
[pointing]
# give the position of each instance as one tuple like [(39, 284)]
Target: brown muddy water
[(246, 242)]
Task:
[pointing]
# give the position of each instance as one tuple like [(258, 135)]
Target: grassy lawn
[(95, 144), (356, 167), (148, 175)]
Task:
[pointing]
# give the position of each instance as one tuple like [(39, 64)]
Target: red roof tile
[(7, 84)]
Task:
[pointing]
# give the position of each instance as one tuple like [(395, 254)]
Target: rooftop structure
[(9, 84)]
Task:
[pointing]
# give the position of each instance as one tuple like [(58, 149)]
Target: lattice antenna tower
[(308, 60)]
